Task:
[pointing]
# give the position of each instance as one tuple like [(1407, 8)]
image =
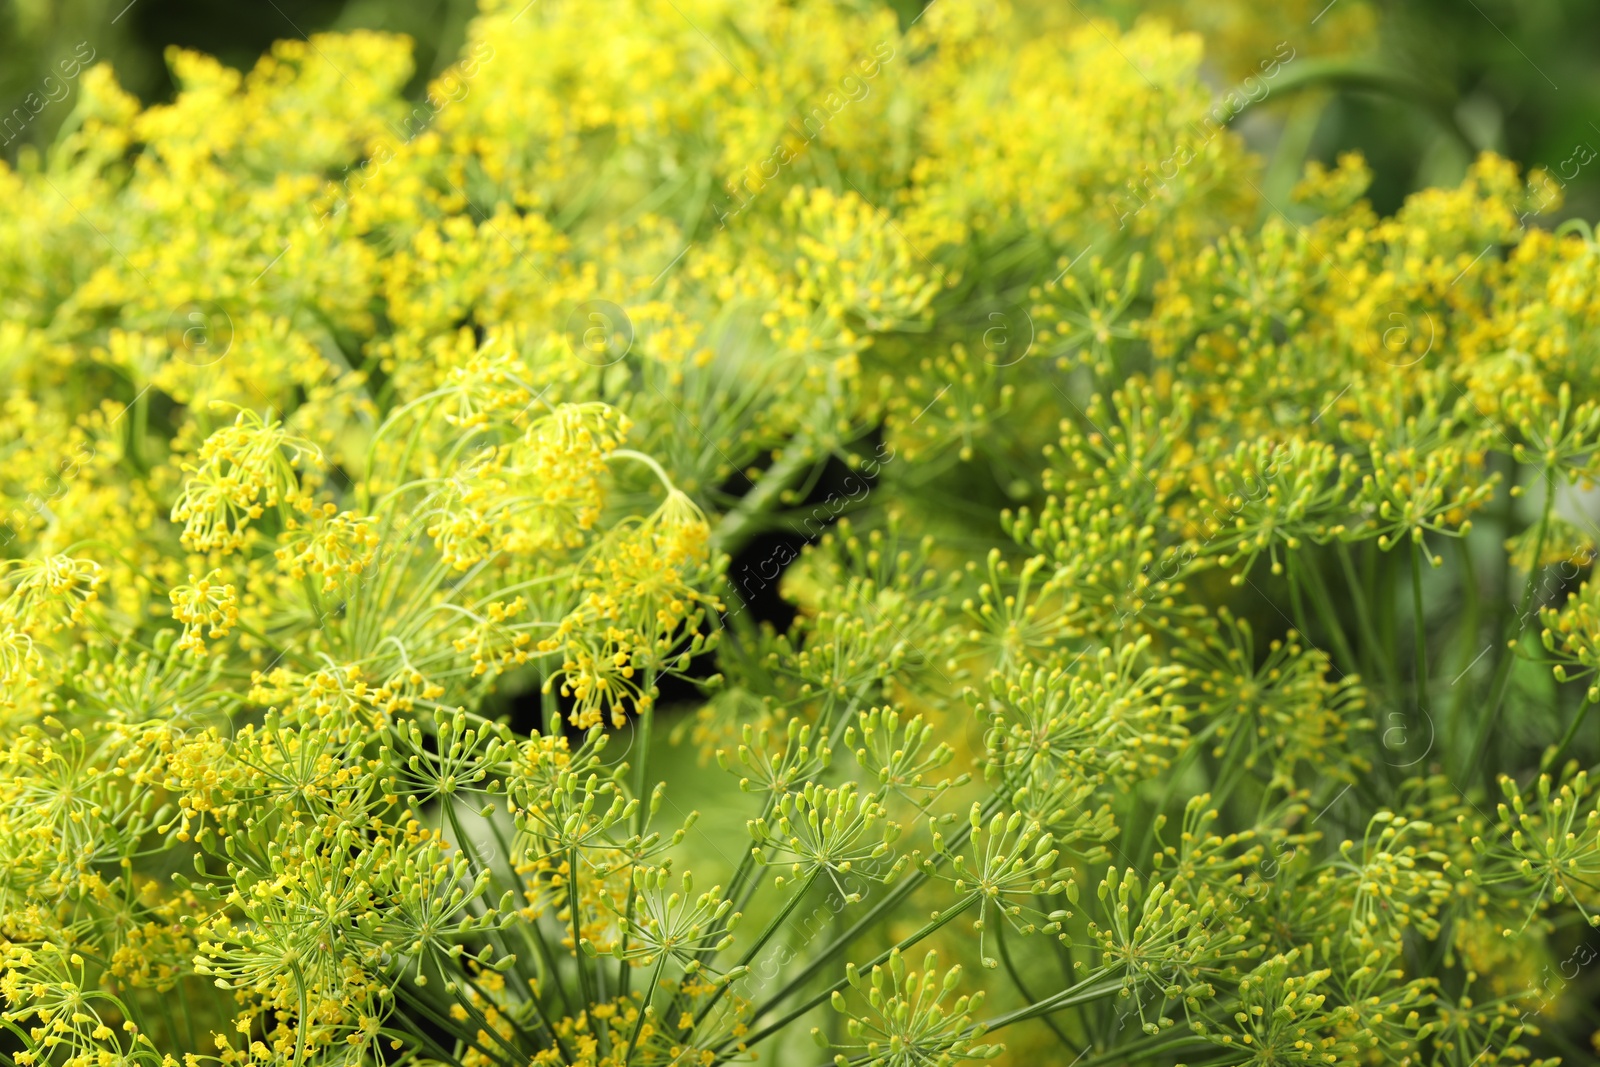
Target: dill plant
[(1202, 681)]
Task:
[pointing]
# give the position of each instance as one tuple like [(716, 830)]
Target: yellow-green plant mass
[(370, 467)]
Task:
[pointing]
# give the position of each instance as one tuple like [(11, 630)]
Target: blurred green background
[(1417, 85)]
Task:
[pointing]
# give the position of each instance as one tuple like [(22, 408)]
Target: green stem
[(645, 718), (1296, 606), (477, 1016), (575, 918), (1062, 945), (462, 837), (536, 942), (1379, 576), (1294, 144), (1325, 610), (1419, 630), (638, 1024), (188, 1018), (1126, 1052), (1470, 630), (1553, 760), (874, 916), (1022, 987), (1476, 763), (1091, 988), (648, 461), (766, 935), (776, 1027), (747, 864), (300, 1023), (736, 525), (1194, 748), (440, 1020), (438, 1051), (549, 708), (166, 1014), (141, 426), (1363, 608), (1358, 76)]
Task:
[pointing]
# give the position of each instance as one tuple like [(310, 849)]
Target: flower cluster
[(372, 504)]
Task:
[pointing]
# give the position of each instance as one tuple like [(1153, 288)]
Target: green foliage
[(388, 521)]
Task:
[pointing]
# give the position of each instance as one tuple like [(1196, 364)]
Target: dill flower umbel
[(207, 607), (747, 497)]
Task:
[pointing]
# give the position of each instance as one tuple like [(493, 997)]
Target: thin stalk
[(1502, 677), (522, 1031), (437, 1050), (624, 968), (477, 1017), (1300, 125), (393, 419), (1419, 630), (1349, 74), (166, 1014), (1378, 576), (648, 461), (503, 943), (502, 592), (1091, 988), (1062, 946), (442, 1021), (766, 935), (1325, 610), (534, 941), (928, 928), (1194, 748), (1228, 780), (1553, 760), (424, 591), (467, 1005), (1122, 1054), (638, 1024), (188, 1019), (300, 1022), (1470, 631), (551, 967), (747, 864), (1296, 605), (141, 426), (900, 893), (549, 708), (575, 918), (1022, 987), (1358, 599), (645, 717), (735, 526)]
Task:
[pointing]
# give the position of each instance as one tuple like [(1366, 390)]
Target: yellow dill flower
[(239, 471), (52, 592), (335, 546), (634, 306), (208, 607)]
